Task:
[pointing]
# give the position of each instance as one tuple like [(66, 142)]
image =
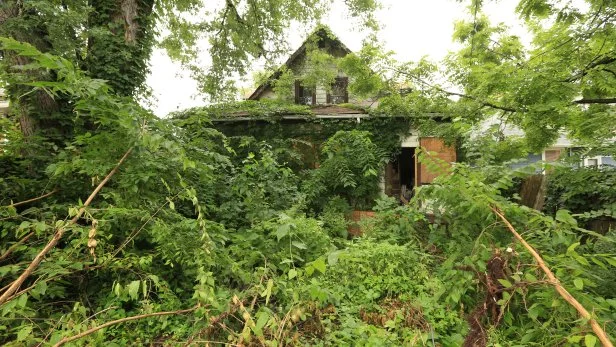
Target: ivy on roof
[(263, 109)]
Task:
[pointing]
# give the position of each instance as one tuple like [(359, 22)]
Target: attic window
[(304, 95), (339, 93)]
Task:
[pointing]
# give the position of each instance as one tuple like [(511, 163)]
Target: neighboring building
[(561, 148), (336, 103)]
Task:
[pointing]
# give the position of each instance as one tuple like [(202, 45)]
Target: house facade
[(335, 104)]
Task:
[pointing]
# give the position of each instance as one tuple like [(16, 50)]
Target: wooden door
[(446, 154)]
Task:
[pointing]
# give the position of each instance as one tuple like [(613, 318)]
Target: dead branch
[(596, 101), (596, 328), (118, 321), (14, 246), (33, 199), (8, 294)]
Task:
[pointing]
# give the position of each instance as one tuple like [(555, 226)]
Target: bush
[(396, 224), (350, 170), (369, 271), (580, 190), (333, 217)]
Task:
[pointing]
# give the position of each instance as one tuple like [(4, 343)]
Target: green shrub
[(368, 271), (396, 224), (333, 217), (580, 190), (350, 170)]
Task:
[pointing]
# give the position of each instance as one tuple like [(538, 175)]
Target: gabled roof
[(323, 36)]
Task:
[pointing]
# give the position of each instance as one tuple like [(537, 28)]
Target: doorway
[(400, 175)]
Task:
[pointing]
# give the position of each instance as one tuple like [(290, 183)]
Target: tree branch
[(33, 199), (118, 321), (470, 97), (596, 101), (596, 328), (8, 294), (483, 103), (14, 246)]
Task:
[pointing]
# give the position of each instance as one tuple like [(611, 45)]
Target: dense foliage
[(119, 228)]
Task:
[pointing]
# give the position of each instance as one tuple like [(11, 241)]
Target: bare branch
[(33, 199), (14, 246), (118, 321), (596, 101), (8, 294)]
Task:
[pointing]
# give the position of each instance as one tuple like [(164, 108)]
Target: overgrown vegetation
[(119, 228)]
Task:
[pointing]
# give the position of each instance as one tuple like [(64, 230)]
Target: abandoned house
[(333, 105)]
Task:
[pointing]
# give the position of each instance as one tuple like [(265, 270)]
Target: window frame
[(344, 81), (299, 91)]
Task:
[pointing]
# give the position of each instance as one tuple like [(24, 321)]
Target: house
[(332, 106), (563, 147)]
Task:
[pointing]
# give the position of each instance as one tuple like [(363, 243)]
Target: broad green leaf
[(299, 245), (505, 283), (319, 264), (590, 340), (292, 274), (282, 231), (579, 283), (268, 290), (565, 217), (133, 289), (24, 332), (262, 319)]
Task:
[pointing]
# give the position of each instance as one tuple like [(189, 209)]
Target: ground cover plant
[(120, 228)]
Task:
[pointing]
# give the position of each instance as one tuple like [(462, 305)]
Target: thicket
[(201, 245), (119, 228), (582, 190)]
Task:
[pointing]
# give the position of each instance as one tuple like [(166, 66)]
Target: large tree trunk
[(29, 108), (124, 33)]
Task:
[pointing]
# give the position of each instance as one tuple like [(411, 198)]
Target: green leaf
[(571, 248), (319, 264), (268, 290), (579, 284), (505, 283), (23, 300), (575, 339), (262, 319), (133, 289), (282, 231), (565, 217), (292, 274), (332, 258), (299, 245), (590, 340), (24, 332)]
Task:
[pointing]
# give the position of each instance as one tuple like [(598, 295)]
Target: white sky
[(411, 28)]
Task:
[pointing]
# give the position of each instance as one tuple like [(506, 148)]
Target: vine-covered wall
[(306, 135)]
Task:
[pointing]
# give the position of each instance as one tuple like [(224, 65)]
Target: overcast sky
[(411, 28)]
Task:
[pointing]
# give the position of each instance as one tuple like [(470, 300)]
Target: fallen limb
[(118, 321), (8, 294), (596, 328), (14, 246), (33, 199)]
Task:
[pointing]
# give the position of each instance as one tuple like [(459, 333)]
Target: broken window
[(304, 95), (339, 93)]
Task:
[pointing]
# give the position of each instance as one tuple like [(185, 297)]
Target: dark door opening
[(400, 174)]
